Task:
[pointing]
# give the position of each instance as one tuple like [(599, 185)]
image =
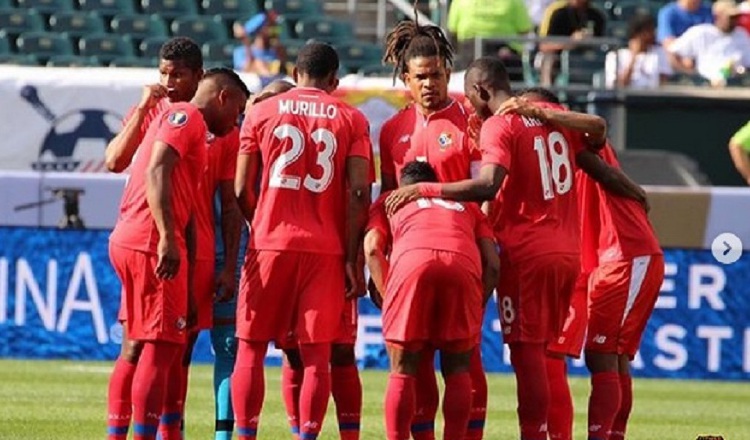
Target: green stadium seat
[(624, 10), (579, 67), (379, 70), (106, 47), (146, 63), (150, 47), (170, 9), (200, 28), (285, 29), (4, 43), (138, 26), (107, 7), (322, 28), (19, 59), (292, 48), (76, 23), (219, 51), (72, 61), (18, 21), (6, 4), (230, 10), (294, 9), (356, 55), (618, 29), (44, 44), (46, 6)]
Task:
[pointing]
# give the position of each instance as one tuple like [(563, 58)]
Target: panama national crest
[(445, 140), (76, 140)]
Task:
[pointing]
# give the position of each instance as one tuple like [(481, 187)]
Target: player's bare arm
[(377, 263), (490, 266), (357, 169), (612, 179), (594, 126), (122, 148), (740, 159), (248, 167), (231, 228), (483, 188), (388, 182), (159, 198), (191, 241)]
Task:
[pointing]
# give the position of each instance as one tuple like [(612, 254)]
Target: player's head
[(484, 79), (416, 172), (222, 96), (540, 94), (422, 57), (317, 66), (180, 68)]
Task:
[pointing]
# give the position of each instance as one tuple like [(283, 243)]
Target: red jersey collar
[(437, 114)]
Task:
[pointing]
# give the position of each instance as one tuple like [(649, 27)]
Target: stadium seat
[(107, 7), (19, 59), (106, 47), (618, 29), (76, 23), (292, 48), (200, 28), (46, 6), (625, 9), (660, 167), (4, 43), (134, 62), (6, 4), (170, 9), (322, 28), (239, 10), (149, 48), (579, 67), (379, 70), (17, 21), (72, 61), (356, 55), (294, 9), (218, 51), (44, 44), (138, 26)]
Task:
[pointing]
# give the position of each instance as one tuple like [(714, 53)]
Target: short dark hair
[(416, 171), (639, 23), (490, 71), (182, 49), (230, 76), (546, 94), (318, 60)]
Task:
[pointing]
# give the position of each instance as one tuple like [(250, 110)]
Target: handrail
[(529, 39)]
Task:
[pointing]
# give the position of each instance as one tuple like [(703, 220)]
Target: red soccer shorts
[(570, 341), (347, 334), (621, 299), (284, 293), (534, 295), (433, 298), (156, 309), (203, 289)]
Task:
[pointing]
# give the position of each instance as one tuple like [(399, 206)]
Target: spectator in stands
[(494, 19), (260, 51), (642, 64), (739, 149), (576, 19), (676, 17), (716, 51)]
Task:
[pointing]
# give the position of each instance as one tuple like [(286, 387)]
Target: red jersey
[(538, 213), (416, 225), (439, 139), (221, 163), (181, 127), (304, 137), (618, 227)]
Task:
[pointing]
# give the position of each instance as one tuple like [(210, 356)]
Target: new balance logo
[(404, 138), (599, 339)]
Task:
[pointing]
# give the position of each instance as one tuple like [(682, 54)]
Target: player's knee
[(223, 342), (293, 358), (342, 355), (131, 351), (601, 362), (454, 363), (402, 361)]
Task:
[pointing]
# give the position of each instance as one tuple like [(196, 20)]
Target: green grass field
[(44, 400)]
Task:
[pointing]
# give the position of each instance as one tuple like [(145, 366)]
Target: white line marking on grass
[(88, 369)]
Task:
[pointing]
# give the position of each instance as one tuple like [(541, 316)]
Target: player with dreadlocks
[(433, 130)]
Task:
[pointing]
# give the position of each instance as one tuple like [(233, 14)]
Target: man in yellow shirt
[(739, 149)]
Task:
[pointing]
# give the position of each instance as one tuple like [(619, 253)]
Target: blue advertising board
[(59, 299)]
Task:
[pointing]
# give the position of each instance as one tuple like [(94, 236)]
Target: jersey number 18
[(557, 174)]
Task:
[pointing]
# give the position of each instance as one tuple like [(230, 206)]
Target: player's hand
[(351, 280), (168, 258), (400, 197), (520, 106), (375, 295), (152, 94), (225, 286)]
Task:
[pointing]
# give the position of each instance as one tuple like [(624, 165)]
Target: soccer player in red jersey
[(434, 296), (312, 210), (536, 226), (434, 129), (153, 238)]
